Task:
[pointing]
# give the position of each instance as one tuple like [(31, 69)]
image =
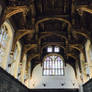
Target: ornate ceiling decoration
[(39, 23)]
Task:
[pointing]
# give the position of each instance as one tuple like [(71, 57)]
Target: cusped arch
[(54, 54)]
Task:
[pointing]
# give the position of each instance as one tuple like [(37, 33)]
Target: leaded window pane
[(53, 65), (49, 49), (56, 49)]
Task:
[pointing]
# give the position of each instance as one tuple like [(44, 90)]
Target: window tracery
[(4, 37), (53, 65)]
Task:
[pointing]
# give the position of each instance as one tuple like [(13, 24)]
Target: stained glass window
[(3, 41), (53, 65)]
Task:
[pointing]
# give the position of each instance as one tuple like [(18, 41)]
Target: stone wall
[(87, 87), (9, 84), (54, 90), (67, 81)]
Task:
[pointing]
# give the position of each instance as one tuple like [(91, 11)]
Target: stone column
[(23, 69), (16, 65), (81, 88), (78, 73), (89, 61), (8, 45), (29, 75), (83, 69), (29, 71), (6, 56)]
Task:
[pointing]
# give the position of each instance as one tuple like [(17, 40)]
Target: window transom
[(53, 65)]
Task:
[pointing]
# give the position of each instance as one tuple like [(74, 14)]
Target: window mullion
[(53, 65)]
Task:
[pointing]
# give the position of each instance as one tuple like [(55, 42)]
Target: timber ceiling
[(39, 23)]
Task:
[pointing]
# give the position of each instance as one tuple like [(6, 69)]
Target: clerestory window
[(53, 49), (56, 49), (49, 49), (3, 41)]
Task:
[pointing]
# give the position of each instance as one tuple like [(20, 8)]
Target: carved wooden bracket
[(79, 48), (87, 34), (84, 33), (31, 57), (84, 8), (26, 48), (74, 56), (19, 34), (29, 47), (71, 54), (10, 11)]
